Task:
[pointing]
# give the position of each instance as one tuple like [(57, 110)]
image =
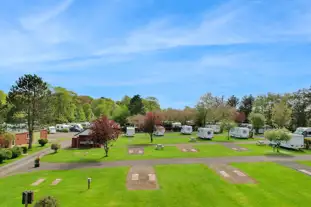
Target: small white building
[(239, 132), (159, 131), (130, 131), (215, 127), (176, 125), (52, 130), (205, 133), (186, 129)]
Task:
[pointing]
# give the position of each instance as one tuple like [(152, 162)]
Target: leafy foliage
[(30, 95), (103, 131), (233, 101), (151, 120), (55, 147), (43, 142), (281, 114), (257, 120), (47, 202), (136, 105), (16, 151), (277, 136), (246, 105), (227, 125)]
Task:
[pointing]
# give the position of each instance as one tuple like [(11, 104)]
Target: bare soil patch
[(141, 177), (56, 181)]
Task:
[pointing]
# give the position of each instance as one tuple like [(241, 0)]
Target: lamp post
[(89, 180)]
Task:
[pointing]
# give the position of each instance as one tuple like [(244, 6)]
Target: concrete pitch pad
[(56, 181), (234, 147), (38, 182), (136, 151), (232, 174), (186, 148), (142, 178)]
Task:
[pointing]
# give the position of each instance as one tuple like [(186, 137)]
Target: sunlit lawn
[(117, 153), (173, 138), (180, 185)]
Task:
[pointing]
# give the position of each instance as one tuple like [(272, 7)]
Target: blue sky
[(174, 50)]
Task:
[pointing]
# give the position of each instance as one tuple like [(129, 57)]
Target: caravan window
[(244, 132), (309, 134), (209, 133)]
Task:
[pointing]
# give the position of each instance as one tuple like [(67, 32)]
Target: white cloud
[(35, 20)]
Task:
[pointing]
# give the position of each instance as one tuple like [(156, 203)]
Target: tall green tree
[(79, 114), (120, 114), (246, 105), (2, 97), (30, 95), (205, 108), (136, 105), (88, 112), (233, 101), (257, 120), (151, 104), (126, 100), (103, 106), (281, 114)]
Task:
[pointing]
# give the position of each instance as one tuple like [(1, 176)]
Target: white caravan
[(130, 131), (239, 132), (205, 133), (52, 130), (176, 125), (296, 142), (186, 129), (215, 127), (160, 130), (62, 126), (305, 131)]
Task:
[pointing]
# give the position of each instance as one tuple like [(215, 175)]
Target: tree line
[(33, 101)]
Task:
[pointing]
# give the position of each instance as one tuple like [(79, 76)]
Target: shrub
[(2, 155), (8, 153), (24, 149), (55, 147), (16, 151), (5, 154), (43, 142), (48, 201)]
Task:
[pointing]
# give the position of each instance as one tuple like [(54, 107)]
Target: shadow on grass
[(276, 154)]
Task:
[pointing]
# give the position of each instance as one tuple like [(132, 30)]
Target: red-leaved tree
[(103, 131), (240, 117), (151, 120)]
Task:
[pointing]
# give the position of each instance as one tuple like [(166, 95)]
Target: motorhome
[(296, 142), (160, 130), (186, 129), (215, 127), (130, 131), (239, 132), (60, 127), (205, 133), (52, 130), (305, 131)]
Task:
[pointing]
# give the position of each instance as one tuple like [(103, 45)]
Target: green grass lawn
[(35, 148), (121, 153), (172, 138), (180, 185), (305, 162)]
